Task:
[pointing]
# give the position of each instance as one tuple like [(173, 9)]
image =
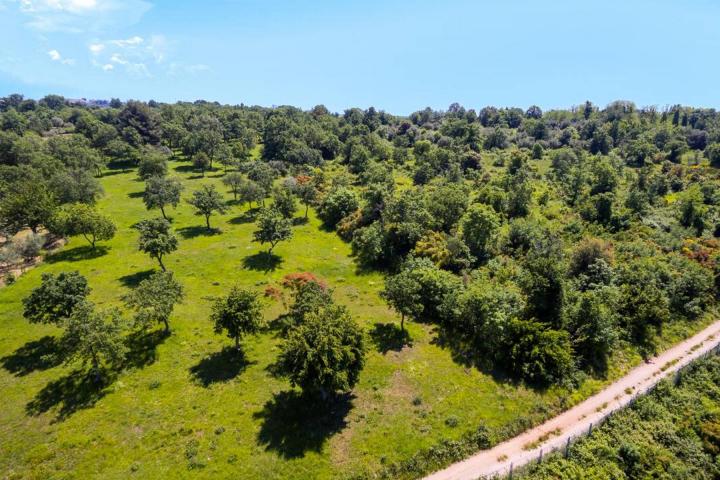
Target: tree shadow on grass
[(247, 217), (220, 366), (197, 231), (117, 167), (294, 423), (41, 354), (135, 194), (298, 221), (132, 280), (262, 261), (76, 391), (86, 252), (185, 168), (142, 347), (388, 336)]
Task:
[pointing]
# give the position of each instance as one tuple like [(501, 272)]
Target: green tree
[(28, 203), (207, 200), (284, 202), (402, 292), (337, 204), (234, 181), (153, 164), (250, 191), (154, 300), (161, 192), (272, 228), (156, 239), (325, 354), (712, 152), (56, 297), (306, 191), (94, 337), (237, 314), (82, 219), (479, 229), (202, 162)]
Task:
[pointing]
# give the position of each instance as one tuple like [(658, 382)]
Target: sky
[(399, 56)]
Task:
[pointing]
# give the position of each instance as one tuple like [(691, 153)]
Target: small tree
[(206, 201), (251, 192), (284, 202), (93, 337), (234, 182), (156, 239), (56, 297), (161, 192), (152, 165), (237, 314), (402, 292), (325, 354), (202, 162), (82, 219), (154, 300), (272, 228), (306, 191)]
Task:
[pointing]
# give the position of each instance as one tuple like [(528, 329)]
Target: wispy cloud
[(55, 56), (135, 54), (77, 16)]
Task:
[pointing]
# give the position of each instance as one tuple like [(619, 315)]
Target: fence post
[(590, 429), (567, 448), (511, 471), (540, 457)]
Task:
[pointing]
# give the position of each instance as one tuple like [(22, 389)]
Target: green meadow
[(183, 406)]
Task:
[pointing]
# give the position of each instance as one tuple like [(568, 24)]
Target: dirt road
[(554, 434)]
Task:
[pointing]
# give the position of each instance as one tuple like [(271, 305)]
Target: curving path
[(555, 433)]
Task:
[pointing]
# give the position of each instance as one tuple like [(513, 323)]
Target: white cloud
[(96, 48), (130, 42), (56, 57), (175, 69), (77, 16), (107, 67)]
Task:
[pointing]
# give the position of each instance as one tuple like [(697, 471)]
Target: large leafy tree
[(94, 337), (272, 228), (325, 354), (27, 204), (237, 314), (154, 300), (206, 201), (234, 181), (156, 239), (479, 229), (82, 219), (56, 297), (161, 192)]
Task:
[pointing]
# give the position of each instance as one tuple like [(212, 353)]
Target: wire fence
[(563, 443)]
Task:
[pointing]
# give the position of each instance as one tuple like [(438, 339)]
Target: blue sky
[(399, 56)]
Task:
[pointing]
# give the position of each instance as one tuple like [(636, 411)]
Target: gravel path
[(554, 433)]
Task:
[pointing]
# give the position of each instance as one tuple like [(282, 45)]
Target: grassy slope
[(184, 411)]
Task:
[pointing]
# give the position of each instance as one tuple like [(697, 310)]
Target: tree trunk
[(307, 206), (237, 343), (162, 265), (207, 221), (162, 210), (167, 325), (402, 322)]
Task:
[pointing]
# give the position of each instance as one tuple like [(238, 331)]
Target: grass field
[(184, 408)]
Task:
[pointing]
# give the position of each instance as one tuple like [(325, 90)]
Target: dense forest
[(536, 243)]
